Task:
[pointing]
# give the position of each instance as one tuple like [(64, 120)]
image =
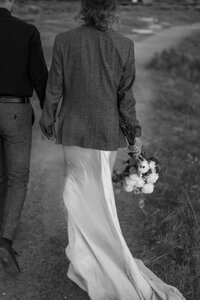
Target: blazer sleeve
[(37, 66), (55, 87), (126, 100)]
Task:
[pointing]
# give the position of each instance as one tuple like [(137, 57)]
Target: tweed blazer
[(92, 74)]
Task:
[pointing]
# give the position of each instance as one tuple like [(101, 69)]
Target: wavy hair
[(99, 13)]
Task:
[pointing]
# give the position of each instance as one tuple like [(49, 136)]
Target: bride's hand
[(136, 148)]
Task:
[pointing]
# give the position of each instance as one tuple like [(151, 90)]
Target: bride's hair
[(99, 13)]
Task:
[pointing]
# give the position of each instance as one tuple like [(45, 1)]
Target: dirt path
[(42, 235)]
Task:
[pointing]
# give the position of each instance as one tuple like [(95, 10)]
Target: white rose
[(131, 180), (152, 178), (148, 188), (128, 188), (143, 167), (140, 183), (152, 165), (134, 177)]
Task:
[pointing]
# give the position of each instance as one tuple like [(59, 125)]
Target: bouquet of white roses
[(143, 179), (139, 175)]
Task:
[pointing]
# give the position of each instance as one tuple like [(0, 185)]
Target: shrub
[(179, 64)]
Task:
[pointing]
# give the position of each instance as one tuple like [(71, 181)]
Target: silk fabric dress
[(100, 261)]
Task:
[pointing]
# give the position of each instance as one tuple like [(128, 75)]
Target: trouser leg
[(17, 152), (3, 181)]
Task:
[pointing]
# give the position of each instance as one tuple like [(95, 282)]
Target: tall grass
[(171, 228)]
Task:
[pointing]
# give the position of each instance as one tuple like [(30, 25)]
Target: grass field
[(171, 229)]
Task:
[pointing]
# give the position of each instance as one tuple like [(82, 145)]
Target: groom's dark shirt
[(22, 63)]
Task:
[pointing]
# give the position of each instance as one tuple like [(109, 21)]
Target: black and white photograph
[(99, 150)]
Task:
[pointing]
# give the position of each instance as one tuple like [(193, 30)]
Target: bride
[(92, 72)]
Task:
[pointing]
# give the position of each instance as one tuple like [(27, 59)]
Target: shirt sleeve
[(37, 66), (126, 100), (55, 87)]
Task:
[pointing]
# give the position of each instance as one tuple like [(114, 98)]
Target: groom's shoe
[(8, 259)]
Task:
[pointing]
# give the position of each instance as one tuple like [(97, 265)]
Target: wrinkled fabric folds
[(100, 261)]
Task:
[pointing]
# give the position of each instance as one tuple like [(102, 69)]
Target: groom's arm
[(55, 88), (38, 72)]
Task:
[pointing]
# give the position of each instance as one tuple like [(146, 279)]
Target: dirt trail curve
[(42, 235)]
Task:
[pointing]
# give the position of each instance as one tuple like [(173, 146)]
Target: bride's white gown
[(100, 261)]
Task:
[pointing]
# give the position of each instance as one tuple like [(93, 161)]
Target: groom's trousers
[(15, 148)]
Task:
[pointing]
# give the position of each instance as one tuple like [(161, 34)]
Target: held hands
[(49, 131)]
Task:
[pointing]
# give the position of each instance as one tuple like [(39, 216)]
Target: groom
[(22, 69)]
